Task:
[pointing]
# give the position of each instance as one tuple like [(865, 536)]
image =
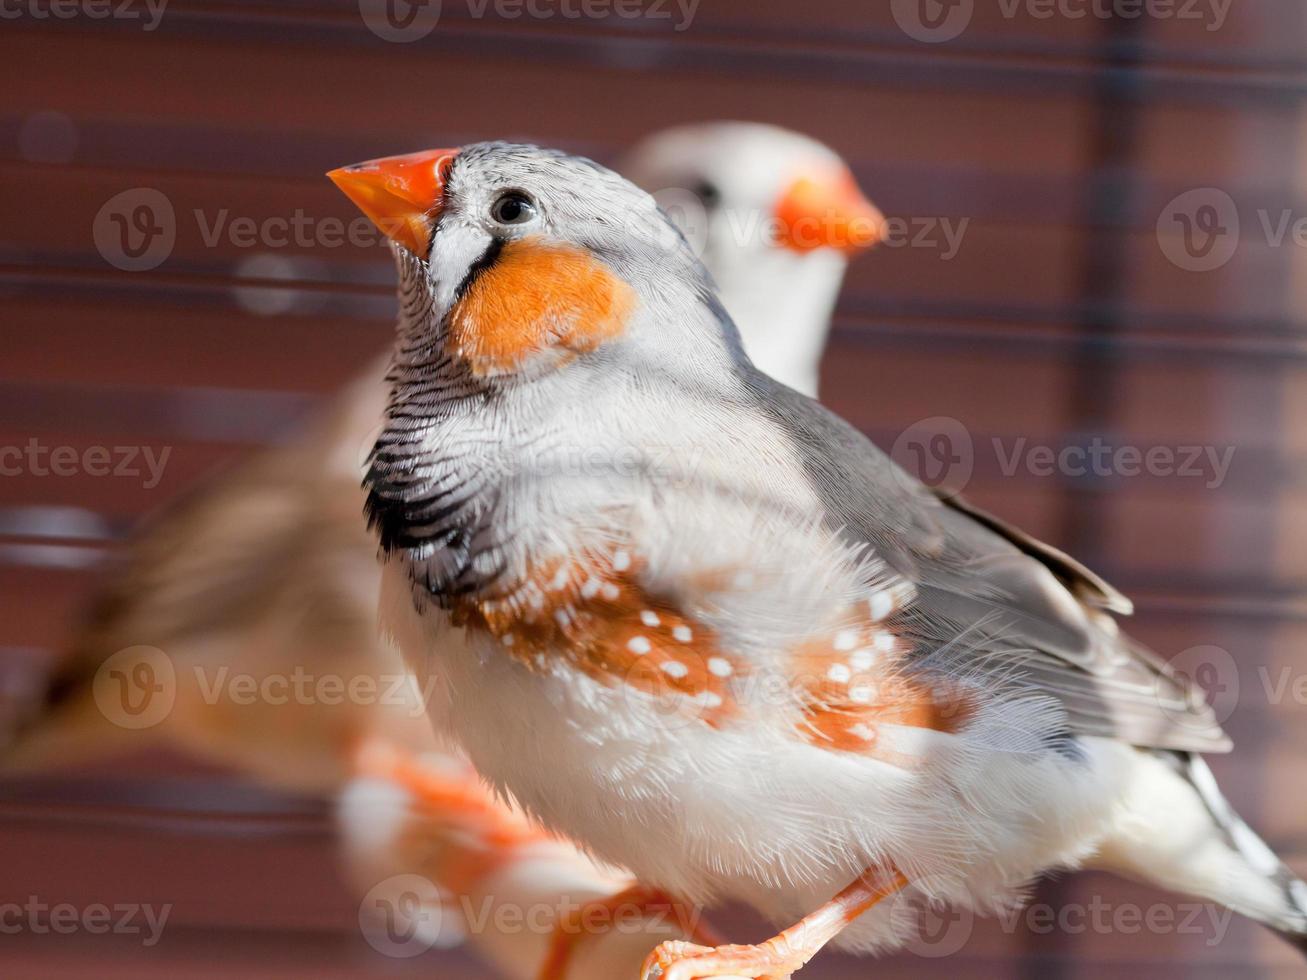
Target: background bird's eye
[(708, 193), (512, 209)]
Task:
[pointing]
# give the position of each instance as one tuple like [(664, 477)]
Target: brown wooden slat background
[(1060, 139)]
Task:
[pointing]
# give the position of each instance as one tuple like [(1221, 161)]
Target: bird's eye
[(708, 193), (513, 208)]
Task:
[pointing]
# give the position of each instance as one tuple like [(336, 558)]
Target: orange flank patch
[(538, 299), (592, 612), (851, 684)]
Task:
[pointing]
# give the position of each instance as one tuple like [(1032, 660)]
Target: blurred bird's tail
[(1179, 831)]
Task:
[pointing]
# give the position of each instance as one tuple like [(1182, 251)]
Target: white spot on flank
[(862, 659), (881, 604), (674, 668), (861, 694), (560, 580), (621, 561), (884, 641), (563, 617), (720, 666), (649, 617), (682, 634), (639, 645), (862, 731), (846, 640), (611, 591), (590, 588), (712, 699), (508, 639), (839, 673)]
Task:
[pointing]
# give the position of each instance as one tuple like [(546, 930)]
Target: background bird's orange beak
[(828, 211), (402, 195)]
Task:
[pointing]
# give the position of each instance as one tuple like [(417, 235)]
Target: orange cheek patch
[(595, 615), (851, 683), (538, 298)]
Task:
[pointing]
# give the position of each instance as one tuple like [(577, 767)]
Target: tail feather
[(1177, 830), (1291, 920)]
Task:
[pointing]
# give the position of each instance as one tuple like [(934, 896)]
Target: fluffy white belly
[(752, 813)]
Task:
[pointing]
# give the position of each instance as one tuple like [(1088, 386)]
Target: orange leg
[(459, 797), (569, 932), (781, 956), (483, 835)]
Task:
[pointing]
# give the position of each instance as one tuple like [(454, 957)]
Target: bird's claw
[(679, 960)]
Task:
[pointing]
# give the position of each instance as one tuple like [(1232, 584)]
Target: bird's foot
[(585, 921), (678, 960), (782, 956)]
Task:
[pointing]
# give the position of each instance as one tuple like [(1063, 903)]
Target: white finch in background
[(774, 215), (696, 622)]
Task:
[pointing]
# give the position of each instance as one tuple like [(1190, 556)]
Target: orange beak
[(402, 195), (828, 211)]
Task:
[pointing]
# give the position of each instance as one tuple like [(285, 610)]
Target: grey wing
[(996, 601)]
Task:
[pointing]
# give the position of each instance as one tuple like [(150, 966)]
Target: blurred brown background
[(1060, 139)]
